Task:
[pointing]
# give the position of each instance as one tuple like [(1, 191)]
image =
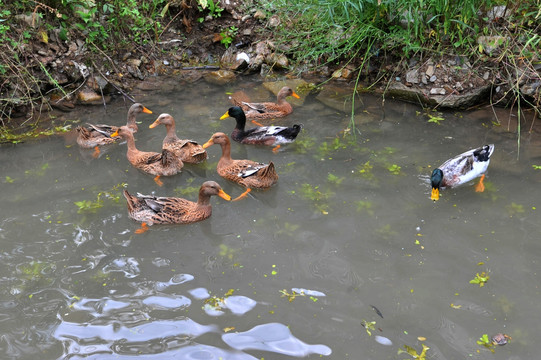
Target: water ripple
[(273, 337)]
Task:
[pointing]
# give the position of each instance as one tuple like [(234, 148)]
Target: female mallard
[(188, 151), (94, 136), (247, 173), (267, 110), (263, 135), (159, 164), (172, 210), (461, 169)]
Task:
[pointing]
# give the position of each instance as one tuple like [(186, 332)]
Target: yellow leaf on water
[(228, 329), (421, 338)]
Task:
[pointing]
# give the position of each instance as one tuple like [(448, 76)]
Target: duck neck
[(226, 152), (241, 122), (171, 133), (131, 121), (130, 140), (203, 199)]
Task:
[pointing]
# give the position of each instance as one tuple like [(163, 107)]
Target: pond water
[(349, 227)]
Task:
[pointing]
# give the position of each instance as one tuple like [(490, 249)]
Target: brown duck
[(173, 210), (247, 173), (188, 151), (266, 110), (159, 164), (93, 136)]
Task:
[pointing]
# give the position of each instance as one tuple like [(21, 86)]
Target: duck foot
[(480, 187), (142, 229), (257, 123), (275, 149), (96, 152), (243, 195), (158, 181)]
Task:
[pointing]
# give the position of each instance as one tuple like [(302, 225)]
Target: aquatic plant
[(413, 353), (480, 278), (92, 206)]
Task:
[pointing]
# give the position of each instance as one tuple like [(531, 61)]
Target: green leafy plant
[(369, 326), (318, 197), (486, 342), (537, 167), (217, 302), (228, 35), (335, 180), (212, 7), (92, 206), (480, 278), (365, 206), (394, 169), (413, 353), (291, 295)]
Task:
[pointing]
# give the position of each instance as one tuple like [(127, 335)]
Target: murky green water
[(351, 223)]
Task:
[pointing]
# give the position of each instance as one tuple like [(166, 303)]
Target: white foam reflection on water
[(343, 220)]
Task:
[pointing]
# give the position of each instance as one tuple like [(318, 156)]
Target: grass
[(369, 32)]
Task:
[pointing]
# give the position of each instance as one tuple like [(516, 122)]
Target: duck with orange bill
[(461, 169)]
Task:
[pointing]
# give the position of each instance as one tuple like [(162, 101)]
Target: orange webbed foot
[(142, 229), (243, 195), (257, 123), (96, 152), (158, 181), (480, 187), (275, 149)]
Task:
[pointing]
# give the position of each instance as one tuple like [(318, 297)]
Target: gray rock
[(491, 43), (433, 78), (437, 91), (412, 76), (430, 70)]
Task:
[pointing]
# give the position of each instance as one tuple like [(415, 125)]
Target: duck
[(248, 173), (93, 136), (461, 169), (267, 110), (188, 151), (262, 135), (150, 209), (158, 164)]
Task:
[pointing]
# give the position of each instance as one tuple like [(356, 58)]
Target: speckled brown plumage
[(98, 135), (247, 173), (188, 151), (163, 164), (173, 210), (266, 110)]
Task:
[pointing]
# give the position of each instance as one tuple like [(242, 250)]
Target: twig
[(116, 87)]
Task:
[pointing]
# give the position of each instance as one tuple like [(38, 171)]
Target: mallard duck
[(159, 164), (188, 151), (247, 173), (263, 135), (461, 169), (173, 210), (267, 110), (94, 136)]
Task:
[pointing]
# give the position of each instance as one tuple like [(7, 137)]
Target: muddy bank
[(63, 74)]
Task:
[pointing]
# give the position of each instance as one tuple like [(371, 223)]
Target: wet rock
[(232, 60), (89, 97), (135, 72), (61, 102), (491, 43), (338, 97), (220, 77), (454, 101), (530, 89)]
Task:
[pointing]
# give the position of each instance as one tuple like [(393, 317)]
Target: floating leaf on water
[(377, 311)]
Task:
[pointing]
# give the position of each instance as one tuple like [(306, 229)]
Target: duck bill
[(154, 124), (225, 116), (224, 195), (435, 194), (145, 110), (295, 95), (115, 134), (208, 143)]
